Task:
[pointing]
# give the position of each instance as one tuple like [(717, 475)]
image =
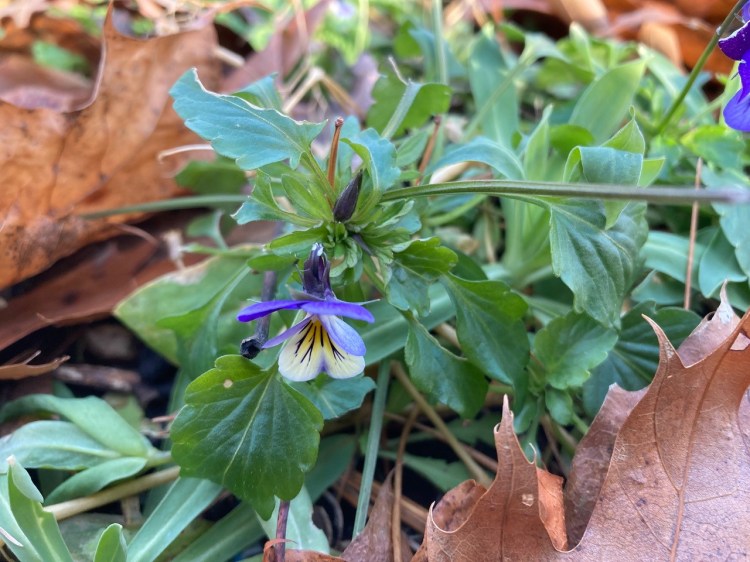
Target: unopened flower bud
[(316, 272), (347, 202)]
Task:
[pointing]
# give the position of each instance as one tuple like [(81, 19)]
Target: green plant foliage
[(247, 430), (335, 397), (111, 546)]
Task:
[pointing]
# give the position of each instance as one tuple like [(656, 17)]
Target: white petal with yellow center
[(311, 351)]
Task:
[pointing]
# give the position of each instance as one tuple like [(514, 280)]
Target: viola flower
[(737, 47), (322, 342)]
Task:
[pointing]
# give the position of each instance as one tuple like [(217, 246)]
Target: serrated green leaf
[(570, 346), (335, 397), (603, 104), (597, 264), (298, 242), (718, 264), (261, 206), (92, 415), (307, 198), (629, 138), (413, 270), (96, 478), (247, 430), (40, 535), (441, 375), (486, 151), (240, 130), (111, 546), (632, 362), (490, 327)]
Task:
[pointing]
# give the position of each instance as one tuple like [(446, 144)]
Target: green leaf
[(306, 197), (184, 501), (489, 70), (334, 458), (379, 157), (220, 176), (40, 535), (441, 375), (444, 475), (486, 151), (238, 129), (734, 218), (426, 100), (261, 206), (92, 415), (629, 138), (632, 362), (718, 264), (227, 537), (717, 144), (262, 93), (569, 347), (603, 104), (559, 405), (414, 268), (246, 429), (96, 478), (111, 546), (598, 264), (490, 327), (299, 241), (186, 290), (300, 529), (335, 397)]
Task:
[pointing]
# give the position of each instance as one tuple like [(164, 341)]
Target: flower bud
[(347, 202), (316, 273)]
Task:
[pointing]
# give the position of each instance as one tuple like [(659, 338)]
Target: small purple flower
[(737, 47), (322, 342)]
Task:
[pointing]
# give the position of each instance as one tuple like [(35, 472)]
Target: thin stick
[(474, 469), (693, 234), (449, 333), (281, 522), (70, 508), (429, 148), (398, 478), (333, 153)]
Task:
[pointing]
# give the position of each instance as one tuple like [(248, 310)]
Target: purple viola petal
[(737, 112), (286, 334), (746, 13), (338, 308), (260, 309), (737, 44), (743, 69), (343, 335)]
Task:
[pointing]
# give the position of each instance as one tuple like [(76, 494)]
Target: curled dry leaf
[(23, 369), (677, 483), (55, 166)]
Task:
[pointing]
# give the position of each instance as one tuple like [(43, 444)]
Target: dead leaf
[(592, 458), (23, 370), (678, 485), (520, 516), (55, 166)]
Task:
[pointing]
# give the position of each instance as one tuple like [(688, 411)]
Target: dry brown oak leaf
[(55, 165), (677, 486)]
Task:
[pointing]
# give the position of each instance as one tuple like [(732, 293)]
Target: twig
[(693, 234), (398, 478), (474, 469), (429, 148), (281, 522), (449, 333)]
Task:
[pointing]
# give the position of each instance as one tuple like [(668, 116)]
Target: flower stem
[(333, 153), (281, 522), (699, 66), (373, 443), (530, 191)]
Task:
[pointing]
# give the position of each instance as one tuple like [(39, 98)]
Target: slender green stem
[(529, 191), (699, 66), (437, 31), (192, 202), (579, 424), (373, 443)]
